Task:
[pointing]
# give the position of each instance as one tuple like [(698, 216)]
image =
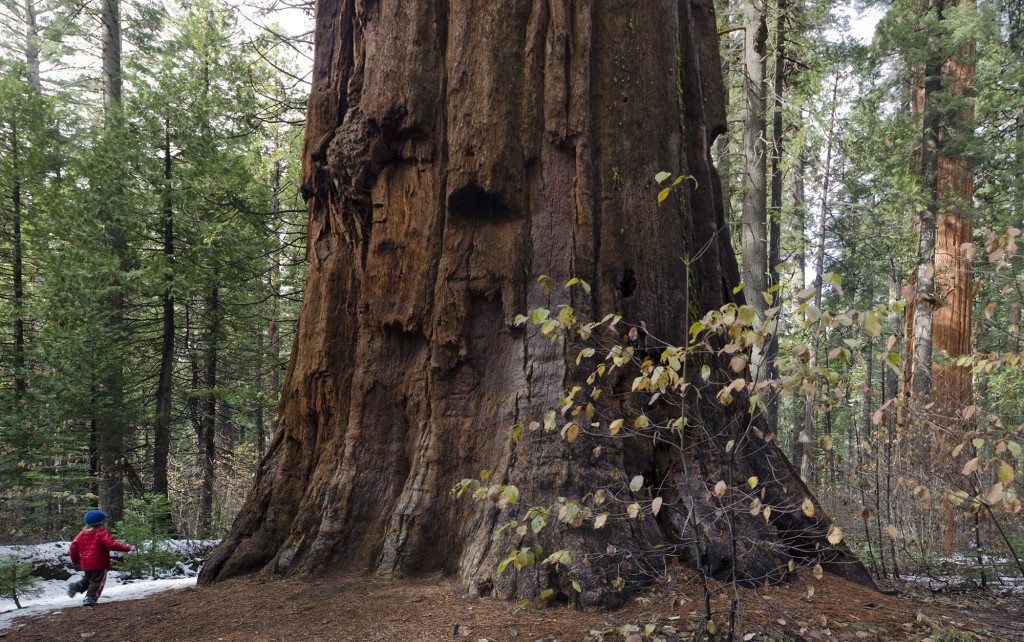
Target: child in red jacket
[(91, 550)]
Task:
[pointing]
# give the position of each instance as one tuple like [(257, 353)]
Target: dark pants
[(92, 584)]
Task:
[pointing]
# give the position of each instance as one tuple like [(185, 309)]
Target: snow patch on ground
[(54, 596), (51, 562), (999, 584)]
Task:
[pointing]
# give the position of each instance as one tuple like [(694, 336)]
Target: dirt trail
[(432, 608)]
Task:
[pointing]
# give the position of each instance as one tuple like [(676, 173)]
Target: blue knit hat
[(94, 517)]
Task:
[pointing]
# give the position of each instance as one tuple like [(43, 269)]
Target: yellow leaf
[(633, 510), (825, 442), (600, 520), (810, 591), (729, 445), (766, 513), (1005, 474), (752, 482), (957, 498), (656, 505), (719, 490), (615, 427), (572, 432), (891, 531), (636, 483), (584, 354), (818, 571), (871, 325), (835, 535), (807, 507)]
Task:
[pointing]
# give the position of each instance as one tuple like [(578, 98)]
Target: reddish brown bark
[(951, 388), (951, 385), (454, 153)]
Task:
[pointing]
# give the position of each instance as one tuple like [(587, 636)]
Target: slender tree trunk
[(32, 48), (277, 366), (17, 267), (869, 376), (433, 211), (259, 422), (1015, 326), (110, 17), (113, 430), (755, 228), (274, 340), (775, 213), (819, 265), (164, 389), (800, 212), (890, 395), (723, 158), (925, 300), (209, 420)]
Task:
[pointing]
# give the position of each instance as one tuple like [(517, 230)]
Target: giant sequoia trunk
[(954, 287), (455, 152)]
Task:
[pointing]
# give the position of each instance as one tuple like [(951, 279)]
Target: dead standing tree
[(454, 152)]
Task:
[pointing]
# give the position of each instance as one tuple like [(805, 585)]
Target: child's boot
[(72, 589), (88, 601)]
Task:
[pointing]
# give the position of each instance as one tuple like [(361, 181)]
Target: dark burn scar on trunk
[(475, 203), (627, 285)]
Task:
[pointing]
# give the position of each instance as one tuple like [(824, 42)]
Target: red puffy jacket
[(91, 548)]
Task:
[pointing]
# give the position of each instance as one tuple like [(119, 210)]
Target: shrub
[(147, 525), (17, 581)]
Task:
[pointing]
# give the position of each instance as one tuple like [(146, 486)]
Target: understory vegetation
[(151, 256)]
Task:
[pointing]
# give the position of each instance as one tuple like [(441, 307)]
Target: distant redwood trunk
[(954, 284), (951, 386), (951, 323), (454, 152)]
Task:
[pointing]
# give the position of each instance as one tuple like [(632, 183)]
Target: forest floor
[(432, 608)]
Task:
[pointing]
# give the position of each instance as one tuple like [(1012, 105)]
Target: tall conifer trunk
[(775, 210), (940, 317), (208, 432), (755, 222), (807, 436), (952, 386), (32, 45), (164, 389), (454, 153), (17, 263), (112, 431)]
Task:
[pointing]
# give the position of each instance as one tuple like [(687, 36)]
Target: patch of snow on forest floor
[(54, 596), (51, 562), (1002, 583)]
